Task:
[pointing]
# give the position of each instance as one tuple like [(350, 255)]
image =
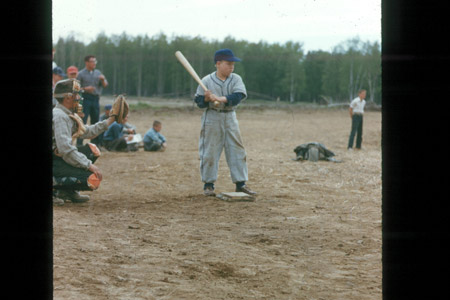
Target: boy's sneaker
[(209, 192), (245, 189)]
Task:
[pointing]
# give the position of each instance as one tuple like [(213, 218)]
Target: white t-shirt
[(357, 105)]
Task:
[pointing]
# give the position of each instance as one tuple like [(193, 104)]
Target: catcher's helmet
[(67, 87)]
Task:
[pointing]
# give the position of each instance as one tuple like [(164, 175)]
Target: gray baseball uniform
[(233, 84), (220, 130)]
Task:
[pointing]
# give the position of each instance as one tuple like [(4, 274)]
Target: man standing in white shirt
[(356, 110)]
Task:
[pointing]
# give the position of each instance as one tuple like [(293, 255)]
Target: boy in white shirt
[(356, 111)]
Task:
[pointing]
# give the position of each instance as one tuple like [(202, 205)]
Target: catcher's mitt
[(120, 109)]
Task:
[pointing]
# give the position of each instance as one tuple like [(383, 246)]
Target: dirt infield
[(314, 231)]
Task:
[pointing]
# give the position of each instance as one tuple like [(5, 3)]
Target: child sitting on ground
[(153, 139)]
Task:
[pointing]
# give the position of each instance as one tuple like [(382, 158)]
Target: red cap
[(72, 69)]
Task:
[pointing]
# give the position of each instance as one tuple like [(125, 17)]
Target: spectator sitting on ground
[(115, 140), (153, 139), (129, 128)]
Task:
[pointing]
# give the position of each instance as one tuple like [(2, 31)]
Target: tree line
[(146, 66)]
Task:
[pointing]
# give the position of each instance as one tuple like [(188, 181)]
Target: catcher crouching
[(73, 167)]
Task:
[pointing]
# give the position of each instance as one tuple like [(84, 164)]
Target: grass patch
[(144, 106)]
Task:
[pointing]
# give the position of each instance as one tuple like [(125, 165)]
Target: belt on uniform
[(358, 114), (222, 110)]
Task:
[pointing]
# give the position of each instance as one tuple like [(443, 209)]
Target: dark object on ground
[(314, 151)]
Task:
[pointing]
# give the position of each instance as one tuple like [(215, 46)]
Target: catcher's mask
[(68, 88)]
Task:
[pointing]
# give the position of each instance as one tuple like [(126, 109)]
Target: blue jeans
[(91, 108), (357, 126)]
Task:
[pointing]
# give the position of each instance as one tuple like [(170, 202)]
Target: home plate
[(235, 197)]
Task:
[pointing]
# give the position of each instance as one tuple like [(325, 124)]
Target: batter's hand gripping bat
[(191, 71)]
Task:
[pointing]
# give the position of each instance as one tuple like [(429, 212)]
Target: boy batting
[(220, 128)]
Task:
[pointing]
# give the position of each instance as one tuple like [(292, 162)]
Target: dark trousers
[(357, 129), (119, 144), (91, 108), (152, 146), (67, 177)]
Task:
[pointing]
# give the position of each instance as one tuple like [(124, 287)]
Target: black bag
[(313, 151)]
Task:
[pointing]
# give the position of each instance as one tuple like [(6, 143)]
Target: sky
[(317, 24)]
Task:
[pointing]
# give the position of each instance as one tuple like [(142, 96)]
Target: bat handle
[(216, 103)]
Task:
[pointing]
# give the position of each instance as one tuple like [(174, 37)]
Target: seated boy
[(114, 138), (153, 139)]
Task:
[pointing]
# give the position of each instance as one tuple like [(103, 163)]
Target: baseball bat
[(191, 71)]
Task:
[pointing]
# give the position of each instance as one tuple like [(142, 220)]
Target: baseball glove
[(119, 109)]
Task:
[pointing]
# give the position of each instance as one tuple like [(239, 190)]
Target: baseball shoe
[(73, 196), (209, 192), (245, 189)]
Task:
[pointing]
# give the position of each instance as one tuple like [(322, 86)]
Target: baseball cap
[(225, 54), (108, 107), (58, 71), (67, 87), (72, 69)]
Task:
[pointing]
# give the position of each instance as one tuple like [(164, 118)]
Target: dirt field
[(314, 231)]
